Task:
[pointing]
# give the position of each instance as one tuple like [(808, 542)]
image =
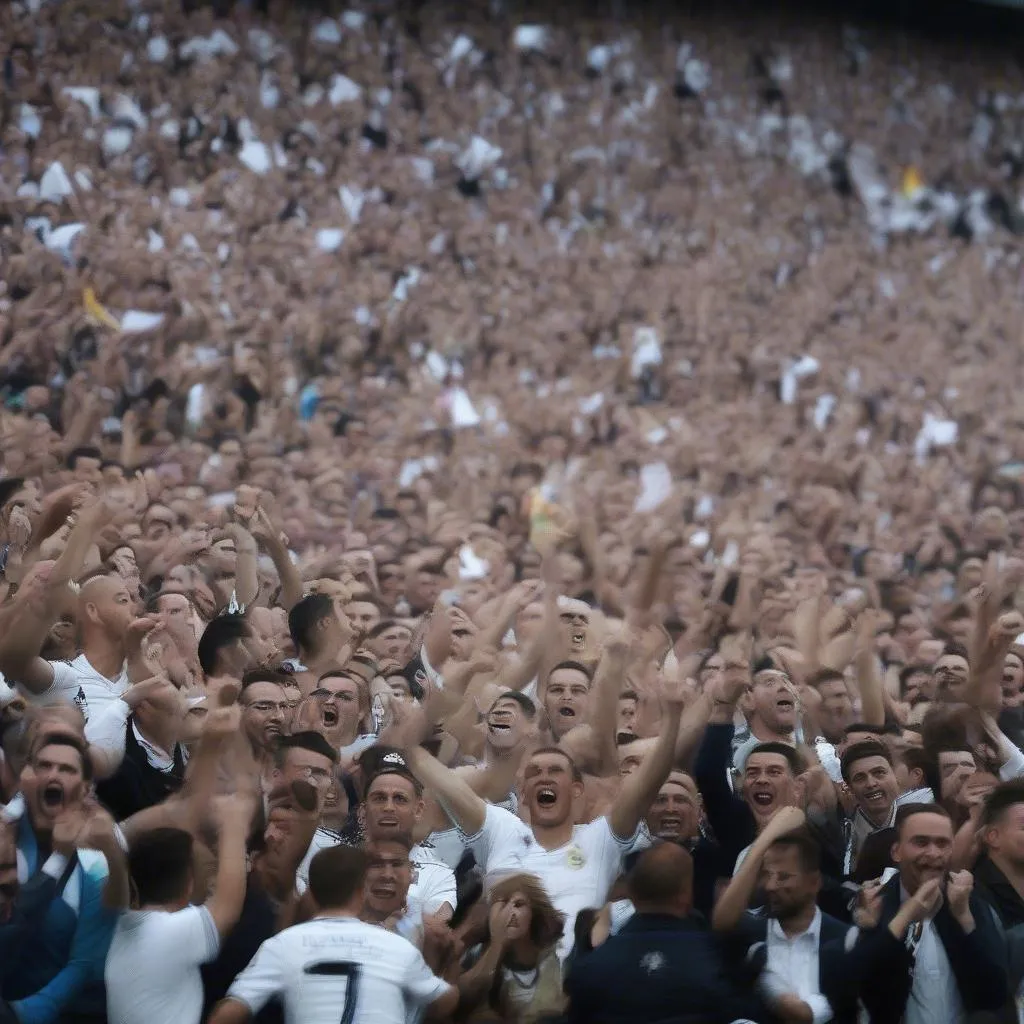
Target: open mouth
[(384, 890), (387, 823), (579, 640), (500, 728), (875, 797), (53, 796), (330, 716), (763, 799), (670, 825), (567, 712), (785, 704), (546, 797)]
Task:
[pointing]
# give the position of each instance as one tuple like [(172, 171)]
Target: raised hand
[(959, 887), (868, 910), (926, 900), (784, 821)]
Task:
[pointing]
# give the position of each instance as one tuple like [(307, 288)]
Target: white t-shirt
[(335, 969), (152, 970), (576, 876), (433, 882), (323, 839), (77, 682)]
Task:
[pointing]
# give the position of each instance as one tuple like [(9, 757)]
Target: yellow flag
[(97, 311)]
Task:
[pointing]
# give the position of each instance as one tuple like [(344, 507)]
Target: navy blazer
[(879, 969), (750, 940), (657, 970)]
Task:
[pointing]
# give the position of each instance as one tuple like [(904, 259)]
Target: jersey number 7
[(340, 969)]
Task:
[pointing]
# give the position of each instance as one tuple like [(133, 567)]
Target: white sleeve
[(500, 833), (107, 730), (65, 685), (419, 983), (263, 979), (433, 676), (189, 936), (1014, 765), (440, 888)]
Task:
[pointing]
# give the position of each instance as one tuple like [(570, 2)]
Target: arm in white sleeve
[(108, 729)]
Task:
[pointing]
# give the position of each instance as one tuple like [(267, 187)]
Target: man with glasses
[(344, 704), (264, 712), (308, 757)]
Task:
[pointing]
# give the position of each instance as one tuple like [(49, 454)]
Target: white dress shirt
[(793, 967), (934, 997)]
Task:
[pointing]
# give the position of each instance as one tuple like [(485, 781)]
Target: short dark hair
[(917, 759), (629, 695), (808, 850), (826, 675), (305, 616), (575, 665), (397, 772), (309, 740), (336, 875), (953, 648), (83, 452), (266, 675), (529, 708), (221, 633), (67, 739), (160, 865), (874, 730), (9, 488), (382, 627), (577, 775), (858, 751), (1000, 800), (659, 875), (909, 810), (791, 754), (908, 670)]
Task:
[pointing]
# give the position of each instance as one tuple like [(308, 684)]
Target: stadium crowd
[(508, 515)]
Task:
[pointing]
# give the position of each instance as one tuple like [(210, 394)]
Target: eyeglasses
[(320, 774), (322, 693), (264, 707)]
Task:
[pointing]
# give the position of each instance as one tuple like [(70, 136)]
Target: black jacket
[(749, 943), (994, 887), (879, 968), (136, 784), (657, 970)]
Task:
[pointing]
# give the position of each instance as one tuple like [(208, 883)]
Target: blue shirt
[(61, 961)]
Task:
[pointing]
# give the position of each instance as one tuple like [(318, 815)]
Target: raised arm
[(869, 681), (639, 789), (225, 905), (735, 900), (456, 796), (287, 572), (247, 586)]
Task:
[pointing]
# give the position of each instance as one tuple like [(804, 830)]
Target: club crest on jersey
[(574, 858)]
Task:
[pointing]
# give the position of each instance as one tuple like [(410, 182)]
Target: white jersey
[(77, 682), (335, 969), (433, 882), (152, 968), (575, 876)]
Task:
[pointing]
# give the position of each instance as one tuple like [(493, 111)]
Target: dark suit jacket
[(879, 968), (136, 784), (657, 970), (750, 941)]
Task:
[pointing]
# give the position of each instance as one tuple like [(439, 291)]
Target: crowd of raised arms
[(508, 515)]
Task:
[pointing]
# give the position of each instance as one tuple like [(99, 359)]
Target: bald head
[(104, 605), (661, 881)]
